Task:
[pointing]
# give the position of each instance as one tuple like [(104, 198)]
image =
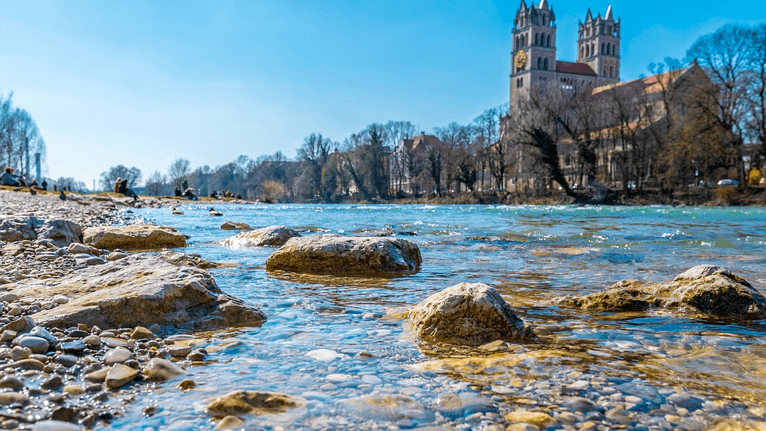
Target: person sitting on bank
[(9, 179), (123, 188), (189, 194), (117, 183), (214, 195)]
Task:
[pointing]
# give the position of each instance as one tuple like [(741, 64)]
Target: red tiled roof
[(574, 68)]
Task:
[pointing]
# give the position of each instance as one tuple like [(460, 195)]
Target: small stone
[(117, 355), (25, 364), (159, 369), (7, 335), (141, 333), (120, 375), (60, 299), (78, 333), (23, 324), (116, 255), (39, 331), (179, 351), (53, 382), (73, 390), (230, 423), (97, 376), (539, 419), (92, 340), (7, 398), (196, 355), (35, 344), (55, 425), (187, 384), (76, 347), (250, 402), (12, 382), (65, 360), (64, 414)]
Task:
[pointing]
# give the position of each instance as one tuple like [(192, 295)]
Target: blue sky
[(143, 83)]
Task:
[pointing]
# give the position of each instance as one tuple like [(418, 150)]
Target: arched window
[(549, 41), (611, 71), (587, 50), (592, 48), (614, 49), (602, 48), (539, 62), (537, 39), (582, 52), (545, 64)]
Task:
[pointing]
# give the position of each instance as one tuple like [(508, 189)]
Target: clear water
[(316, 328)]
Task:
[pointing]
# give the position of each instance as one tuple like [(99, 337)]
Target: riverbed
[(343, 347)]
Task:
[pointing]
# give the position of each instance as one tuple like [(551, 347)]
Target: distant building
[(409, 161), (534, 60)]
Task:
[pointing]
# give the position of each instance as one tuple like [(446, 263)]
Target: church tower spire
[(598, 46), (533, 57)]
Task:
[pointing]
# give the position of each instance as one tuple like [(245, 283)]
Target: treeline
[(20, 139), (690, 123)]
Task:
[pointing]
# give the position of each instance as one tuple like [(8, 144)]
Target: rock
[(23, 324), (235, 225), (76, 347), (467, 313), (140, 333), (82, 248), (8, 296), (24, 364), (161, 369), (61, 232), (141, 289), (55, 425), (182, 259), (116, 255), (539, 419), (387, 407), (272, 236), (230, 423), (335, 254), (120, 375), (118, 355), (705, 288), (35, 344), (250, 402), (179, 351), (39, 331), (11, 382), (7, 398), (15, 228), (134, 237), (65, 360), (97, 376)]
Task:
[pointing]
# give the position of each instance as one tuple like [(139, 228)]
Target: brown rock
[(705, 288), (120, 375), (467, 313), (239, 403), (272, 236), (235, 225), (141, 237), (161, 369), (141, 289), (341, 255), (183, 259)]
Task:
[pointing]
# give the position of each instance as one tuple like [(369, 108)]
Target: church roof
[(608, 13), (574, 68)]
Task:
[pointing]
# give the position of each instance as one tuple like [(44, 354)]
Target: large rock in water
[(139, 290), (705, 288), (141, 237), (273, 236), (235, 225), (468, 313), (342, 255)]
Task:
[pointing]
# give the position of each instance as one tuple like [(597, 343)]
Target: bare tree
[(178, 171), (133, 175)]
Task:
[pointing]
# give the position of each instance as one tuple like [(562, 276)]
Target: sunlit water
[(701, 370)]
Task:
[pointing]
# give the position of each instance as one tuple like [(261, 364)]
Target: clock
[(521, 59)]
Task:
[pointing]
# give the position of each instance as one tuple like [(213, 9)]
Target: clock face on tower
[(521, 59)]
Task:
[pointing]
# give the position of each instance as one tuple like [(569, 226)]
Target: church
[(534, 61)]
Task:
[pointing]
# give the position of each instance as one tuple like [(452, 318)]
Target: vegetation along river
[(342, 345)]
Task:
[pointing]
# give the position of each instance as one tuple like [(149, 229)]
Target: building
[(533, 57), (410, 165)]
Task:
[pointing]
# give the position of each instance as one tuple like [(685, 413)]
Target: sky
[(142, 83)]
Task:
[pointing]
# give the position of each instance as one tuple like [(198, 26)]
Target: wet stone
[(75, 347), (7, 335), (35, 344), (120, 375), (159, 369), (117, 355), (78, 333), (12, 382), (52, 383), (7, 398)]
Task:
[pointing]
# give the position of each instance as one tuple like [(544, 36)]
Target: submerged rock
[(341, 255), (468, 313), (705, 288), (181, 259), (235, 225), (272, 236), (134, 237), (141, 289), (250, 402)]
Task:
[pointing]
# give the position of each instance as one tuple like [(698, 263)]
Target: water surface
[(340, 344)]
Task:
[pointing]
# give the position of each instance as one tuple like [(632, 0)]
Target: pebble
[(117, 355)]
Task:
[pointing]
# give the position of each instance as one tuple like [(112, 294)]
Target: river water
[(342, 346)]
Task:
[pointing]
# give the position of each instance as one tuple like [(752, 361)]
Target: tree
[(133, 175), (724, 55), (314, 152), (155, 184), (178, 171)]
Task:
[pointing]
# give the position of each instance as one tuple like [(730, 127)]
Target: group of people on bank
[(9, 178)]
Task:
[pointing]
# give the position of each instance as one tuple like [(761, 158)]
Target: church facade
[(533, 57)]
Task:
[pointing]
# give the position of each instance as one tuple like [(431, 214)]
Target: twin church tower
[(534, 61)]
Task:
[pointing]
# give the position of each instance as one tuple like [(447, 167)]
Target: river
[(341, 343)]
